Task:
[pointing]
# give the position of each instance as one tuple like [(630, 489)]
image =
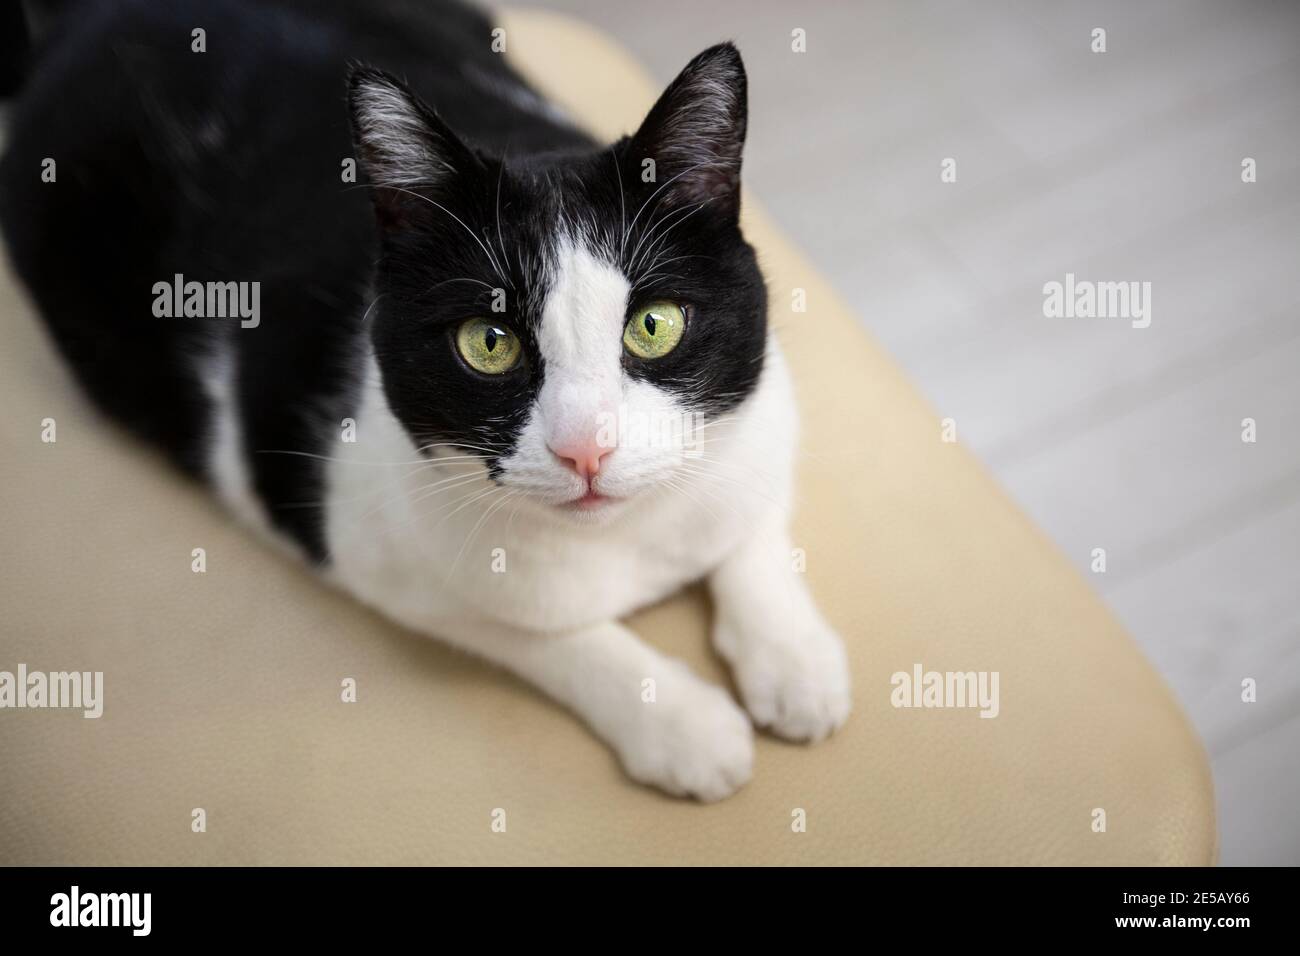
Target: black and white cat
[(454, 396)]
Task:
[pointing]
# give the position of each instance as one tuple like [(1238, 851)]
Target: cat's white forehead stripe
[(582, 319)]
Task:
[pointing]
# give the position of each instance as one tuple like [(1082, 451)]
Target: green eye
[(487, 347), (654, 331)]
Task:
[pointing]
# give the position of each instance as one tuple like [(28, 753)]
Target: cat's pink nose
[(582, 456)]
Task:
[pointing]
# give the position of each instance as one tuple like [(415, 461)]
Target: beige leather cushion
[(223, 688)]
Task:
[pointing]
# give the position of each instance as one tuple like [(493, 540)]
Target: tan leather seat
[(223, 688)]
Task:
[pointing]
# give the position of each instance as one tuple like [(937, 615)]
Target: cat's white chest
[(555, 581)]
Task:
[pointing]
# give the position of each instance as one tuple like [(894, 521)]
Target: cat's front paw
[(794, 683), (690, 740)]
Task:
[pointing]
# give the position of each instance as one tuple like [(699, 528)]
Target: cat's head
[(572, 318)]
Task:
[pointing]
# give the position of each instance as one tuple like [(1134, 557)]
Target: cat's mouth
[(591, 501), (594, 504)]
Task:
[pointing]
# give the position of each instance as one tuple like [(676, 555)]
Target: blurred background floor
[(1122, 166)]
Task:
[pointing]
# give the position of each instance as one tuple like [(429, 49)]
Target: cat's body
[(369, 419)]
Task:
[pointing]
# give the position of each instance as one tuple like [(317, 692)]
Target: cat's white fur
[(227, 461), (506, 573)]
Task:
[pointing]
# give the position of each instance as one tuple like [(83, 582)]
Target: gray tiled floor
[(1115, 166)]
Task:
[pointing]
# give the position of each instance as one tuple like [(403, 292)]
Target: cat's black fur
[(226, 166)]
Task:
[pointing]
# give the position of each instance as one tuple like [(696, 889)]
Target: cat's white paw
[(692, 740), (794, 684)]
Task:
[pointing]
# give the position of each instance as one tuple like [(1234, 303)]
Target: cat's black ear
[(402, 145), (696, 132)]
